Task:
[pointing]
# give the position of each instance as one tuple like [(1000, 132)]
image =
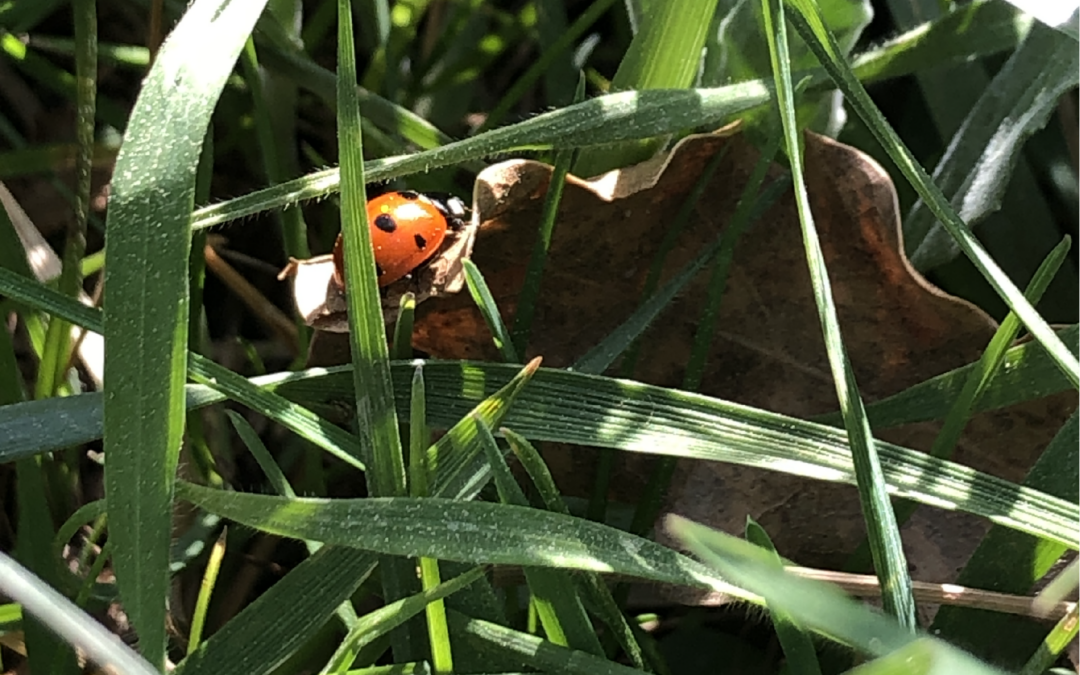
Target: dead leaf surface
[(767, 351)]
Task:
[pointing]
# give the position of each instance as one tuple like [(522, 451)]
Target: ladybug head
[(452, 208)]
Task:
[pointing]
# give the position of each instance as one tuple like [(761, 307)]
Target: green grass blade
[(665, 53), (1063, 633), (485, 301), (206, 589), (147, 305), (984, 154), (606, 119), (471, 532), (534, 271), (430, 576), (797, 645), (808, 22), (560, 609), (376, 421), (884, 536), (375, 624)]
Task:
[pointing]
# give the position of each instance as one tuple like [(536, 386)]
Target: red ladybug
[(407, 228)]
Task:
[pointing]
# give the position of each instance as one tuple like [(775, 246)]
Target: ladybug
[(407, 229)]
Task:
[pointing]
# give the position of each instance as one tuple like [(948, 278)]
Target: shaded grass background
[(464, 59)]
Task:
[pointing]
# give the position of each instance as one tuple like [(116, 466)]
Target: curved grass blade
[(485, 301), (147, 306)]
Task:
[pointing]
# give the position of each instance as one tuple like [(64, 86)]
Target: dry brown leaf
[(767, 351)]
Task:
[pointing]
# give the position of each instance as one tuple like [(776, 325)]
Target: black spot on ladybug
[(379, 271), (385, 222), (409, 194), (421, 243)]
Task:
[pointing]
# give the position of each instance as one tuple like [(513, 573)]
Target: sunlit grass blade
[(1063, 633), (466, 531), (890, 564), (553, 594), (605, 119), (456, 460), (816, 605), (206, 589), (665, 53), (147, 306), (485, 301), (965, 32), (807, 21)]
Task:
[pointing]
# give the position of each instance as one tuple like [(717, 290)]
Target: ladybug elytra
[(407, 228)]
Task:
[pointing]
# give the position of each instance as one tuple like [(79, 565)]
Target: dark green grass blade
[(561, 612), (883, 534), (376, 421), (485, 302), (1011, 562), (261, 636), (807, 20), (147, 303)]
